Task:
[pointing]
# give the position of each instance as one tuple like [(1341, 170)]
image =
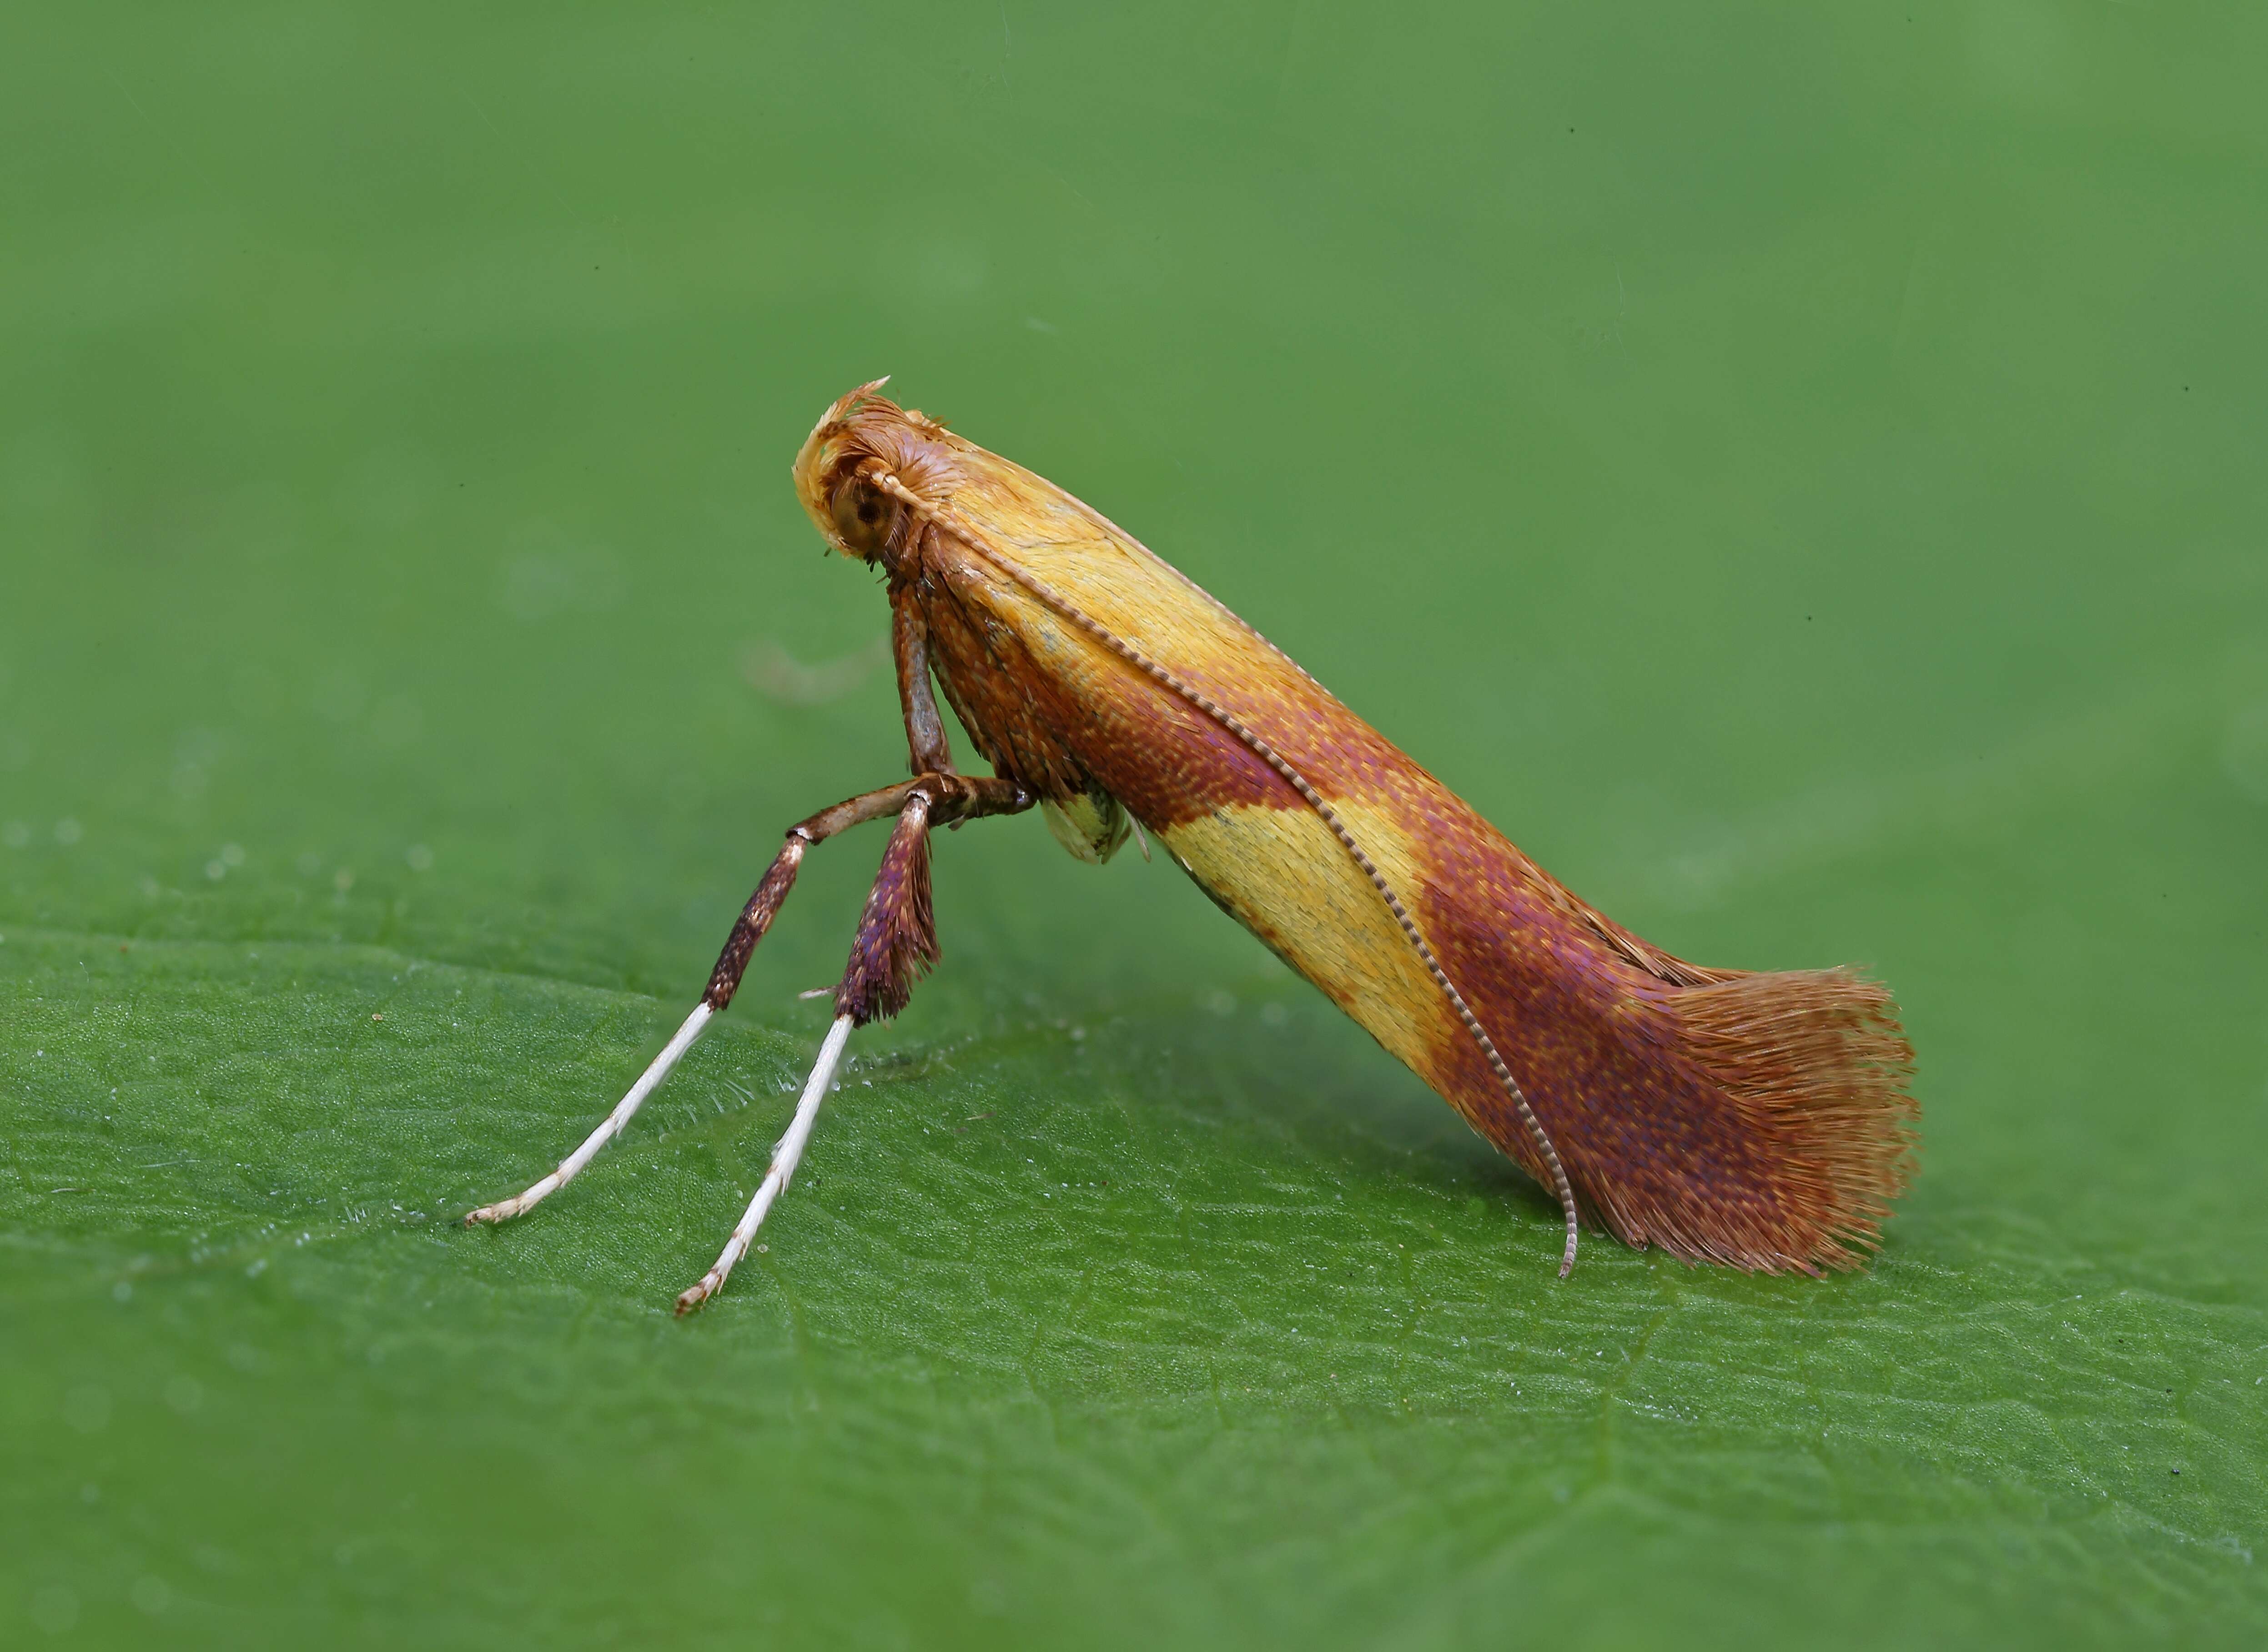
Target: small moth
[(1755, 1120)]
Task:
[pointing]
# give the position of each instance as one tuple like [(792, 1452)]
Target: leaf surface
[(1808, 546)]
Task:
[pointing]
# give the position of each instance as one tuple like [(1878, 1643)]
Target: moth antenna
[(1140, 836), (1260, 748)]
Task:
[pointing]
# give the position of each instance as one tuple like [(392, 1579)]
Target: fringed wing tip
[(1812, 1068)]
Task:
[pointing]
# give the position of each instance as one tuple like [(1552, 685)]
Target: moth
[(1757, 1119)]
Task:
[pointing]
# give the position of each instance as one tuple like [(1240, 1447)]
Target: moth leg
[(962, 794), (928, 751), (896, 945), (785, 1156)]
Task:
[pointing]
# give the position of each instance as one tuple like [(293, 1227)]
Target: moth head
[(839, 476)]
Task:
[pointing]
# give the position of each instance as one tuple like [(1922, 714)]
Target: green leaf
[(1800, 481)]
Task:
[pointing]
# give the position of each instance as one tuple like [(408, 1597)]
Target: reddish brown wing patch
[(983, 669), (1755, 1119), (1163, 758)]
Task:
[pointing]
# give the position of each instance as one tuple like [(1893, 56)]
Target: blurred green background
[(1797, 471)]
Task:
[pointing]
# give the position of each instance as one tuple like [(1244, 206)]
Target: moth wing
[(1090, 825)]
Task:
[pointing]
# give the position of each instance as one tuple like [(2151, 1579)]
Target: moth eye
[(864, 515)]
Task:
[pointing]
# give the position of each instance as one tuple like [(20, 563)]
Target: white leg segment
[(784, 1159), (608, 1129)]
